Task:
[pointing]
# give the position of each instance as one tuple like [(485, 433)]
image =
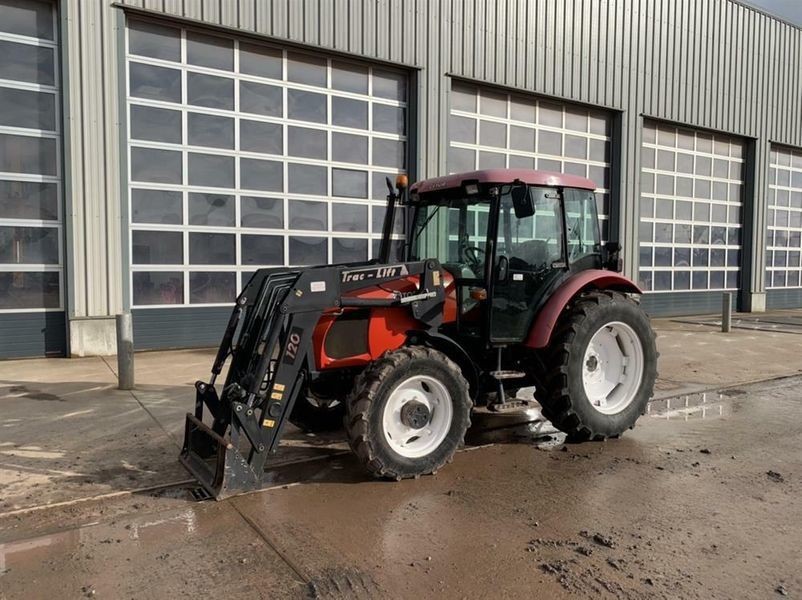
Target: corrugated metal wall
[(91, 158), (713, 64)]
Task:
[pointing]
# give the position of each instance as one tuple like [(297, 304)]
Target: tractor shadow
[(67, 440), (329, 460)]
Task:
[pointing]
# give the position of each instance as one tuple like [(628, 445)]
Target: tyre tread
[(558, 406), (365, 394)]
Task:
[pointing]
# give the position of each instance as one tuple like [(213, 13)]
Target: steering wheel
[(471, 254)]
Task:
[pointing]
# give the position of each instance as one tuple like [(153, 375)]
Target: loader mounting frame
[(269, 342)]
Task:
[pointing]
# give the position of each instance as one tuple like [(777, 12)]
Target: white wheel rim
[(410, 442), (612, 368)]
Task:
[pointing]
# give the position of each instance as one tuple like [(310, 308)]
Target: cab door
[(529, 257)]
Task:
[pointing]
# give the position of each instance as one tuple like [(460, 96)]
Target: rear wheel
[(408, 413), (601, 367)]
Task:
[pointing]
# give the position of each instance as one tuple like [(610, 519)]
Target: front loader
[(502, 282)]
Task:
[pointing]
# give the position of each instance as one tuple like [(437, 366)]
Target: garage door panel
[(490, 128), (690, 210), (31, 213), (784, 221), (249, 146)]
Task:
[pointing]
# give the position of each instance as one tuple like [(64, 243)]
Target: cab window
[(533, 243), (582, 224)]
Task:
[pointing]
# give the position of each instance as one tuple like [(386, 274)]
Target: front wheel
[(408, 413), (602, 364)]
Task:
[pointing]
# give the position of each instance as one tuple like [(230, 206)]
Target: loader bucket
[(214, 461)]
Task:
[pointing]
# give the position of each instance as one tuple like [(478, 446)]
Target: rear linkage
[(269, 340)]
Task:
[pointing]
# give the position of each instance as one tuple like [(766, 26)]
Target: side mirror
[(522, 201), (612, 257)]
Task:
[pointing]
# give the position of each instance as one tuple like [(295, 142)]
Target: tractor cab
[(508, 237)]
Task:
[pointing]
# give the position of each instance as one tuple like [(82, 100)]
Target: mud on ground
[(699, 501)]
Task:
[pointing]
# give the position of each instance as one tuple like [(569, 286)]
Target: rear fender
[(546, 320)]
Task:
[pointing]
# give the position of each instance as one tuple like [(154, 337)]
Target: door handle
[(502, 269)]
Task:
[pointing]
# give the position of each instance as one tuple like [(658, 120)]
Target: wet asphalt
[(701, 500)]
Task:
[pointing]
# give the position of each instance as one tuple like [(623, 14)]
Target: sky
[(789, 10)]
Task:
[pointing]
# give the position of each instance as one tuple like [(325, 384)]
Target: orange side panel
[(388, 329), (388, 326)]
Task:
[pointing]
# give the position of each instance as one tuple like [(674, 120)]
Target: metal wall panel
[(32, 334), (188, 327), (711, 64), (684, 303), (788, 298)]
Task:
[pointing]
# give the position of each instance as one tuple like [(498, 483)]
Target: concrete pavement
[(91, 494)]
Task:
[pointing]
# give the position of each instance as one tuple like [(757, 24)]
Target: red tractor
[(501, 282)]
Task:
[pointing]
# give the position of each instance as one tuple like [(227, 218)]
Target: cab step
[(507, 374), (512, 405)]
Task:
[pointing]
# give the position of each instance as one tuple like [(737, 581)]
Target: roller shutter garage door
[(784, 228), (31, 210), (489, 128), (244, 155), (690, 218)]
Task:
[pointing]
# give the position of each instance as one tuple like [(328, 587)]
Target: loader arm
[(268, 340)]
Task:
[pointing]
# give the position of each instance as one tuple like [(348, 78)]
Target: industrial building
[(154, 153)]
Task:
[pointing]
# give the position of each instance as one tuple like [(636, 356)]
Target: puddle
[(522, 427), (702, 405), (167, 554), (90, 538)]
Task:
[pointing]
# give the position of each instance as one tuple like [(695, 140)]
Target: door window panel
[(210, 51), (267, 213), (28, 200), (23, 290), (155, 124), (157, 247), (158, 287), (157, 206), (155, 41), (27, 109), (210, 130), (211, 209), (27, 63), (212, 287), (265, 250), (212, 249), (29, 245)]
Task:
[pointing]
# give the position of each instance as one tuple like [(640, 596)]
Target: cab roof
[(530, 176)]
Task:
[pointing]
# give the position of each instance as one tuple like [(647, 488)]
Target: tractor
[(500, 281)]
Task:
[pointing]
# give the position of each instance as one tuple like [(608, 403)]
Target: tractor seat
[(534, 253)]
